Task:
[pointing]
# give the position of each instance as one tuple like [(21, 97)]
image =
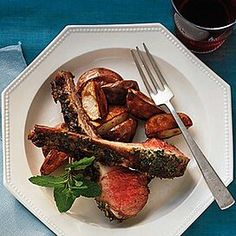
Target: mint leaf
[(81, 164), (48, 181), (64, 198), (87, 189)]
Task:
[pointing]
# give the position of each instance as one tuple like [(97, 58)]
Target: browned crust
[(45, 150), (116, 92), (115, 116), (53, 160), (63, 90), (123, 132), (157, 158), (141, 106), (102, 100), (164, 125), (102, 75)]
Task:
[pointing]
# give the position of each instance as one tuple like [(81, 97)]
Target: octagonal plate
[(173, 204)]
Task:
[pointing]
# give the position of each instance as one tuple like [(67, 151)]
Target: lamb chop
[(114, 206), (63, 90), (76, 119), (155, 157)]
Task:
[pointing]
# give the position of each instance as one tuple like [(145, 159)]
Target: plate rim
[(109, 29)]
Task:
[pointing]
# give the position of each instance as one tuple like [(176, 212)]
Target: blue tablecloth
[(36, 23)]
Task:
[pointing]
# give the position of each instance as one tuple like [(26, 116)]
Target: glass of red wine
[(204, 25)]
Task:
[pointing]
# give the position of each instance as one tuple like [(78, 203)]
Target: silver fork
[(162, 96)]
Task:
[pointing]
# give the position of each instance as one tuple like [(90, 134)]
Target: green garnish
[(70, 185)]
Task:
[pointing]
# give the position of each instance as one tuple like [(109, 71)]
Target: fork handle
[(221, 194)]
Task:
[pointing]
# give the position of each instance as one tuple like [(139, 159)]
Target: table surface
[(36, 23)]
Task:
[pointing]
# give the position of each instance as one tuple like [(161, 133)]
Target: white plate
[(173, 204)]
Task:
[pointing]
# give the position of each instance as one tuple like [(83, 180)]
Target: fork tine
[(154, 82), (148, 87), (155, 66)]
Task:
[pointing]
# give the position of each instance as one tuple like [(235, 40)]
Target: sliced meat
[(124, 192), (161, 160)]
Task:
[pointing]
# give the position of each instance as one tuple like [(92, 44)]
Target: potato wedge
[(102, 75), (116, 92), (94, 100), (115, 116), (141, 106), (163, 126), (53, 160), (123, 132)]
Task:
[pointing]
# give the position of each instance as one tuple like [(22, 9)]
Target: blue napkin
[(15, 218), (12, 63)]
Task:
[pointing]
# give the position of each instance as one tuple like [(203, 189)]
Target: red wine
[(206, 13), (214, 17)]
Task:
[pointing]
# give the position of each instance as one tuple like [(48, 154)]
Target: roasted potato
[(115, 116), (163, 126), (102, 75), (94, 100), (116, 92), (141, 106), (123, 132), (53, 160)]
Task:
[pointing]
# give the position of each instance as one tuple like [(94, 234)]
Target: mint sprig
[(70, 185), (48, 180)]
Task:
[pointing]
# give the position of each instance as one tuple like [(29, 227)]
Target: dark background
[(36, 23)]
